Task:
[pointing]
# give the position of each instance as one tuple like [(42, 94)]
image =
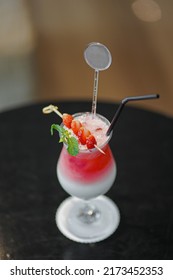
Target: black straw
[(122, 104)]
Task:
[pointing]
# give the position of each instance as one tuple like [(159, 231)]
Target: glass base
[(87, 222)]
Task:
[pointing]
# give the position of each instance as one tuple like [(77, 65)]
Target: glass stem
[(89, 213)]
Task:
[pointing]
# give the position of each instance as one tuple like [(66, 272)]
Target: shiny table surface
[(30, 193)]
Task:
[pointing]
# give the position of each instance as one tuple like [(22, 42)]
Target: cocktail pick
[(122, 104), (51, 108), (99, 58)]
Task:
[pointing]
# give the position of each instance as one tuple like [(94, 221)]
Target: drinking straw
[(122, 104)]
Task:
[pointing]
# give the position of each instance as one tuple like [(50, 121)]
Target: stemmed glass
[(87, 215)]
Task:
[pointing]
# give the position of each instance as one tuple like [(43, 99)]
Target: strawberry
[(83, 133), (91, 142), (75, 126), (98, 129), (67, 119)]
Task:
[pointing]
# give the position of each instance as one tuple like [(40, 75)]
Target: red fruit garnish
[(91, 142), (75, 126), (67, 119), (83, 133), (98, 129)]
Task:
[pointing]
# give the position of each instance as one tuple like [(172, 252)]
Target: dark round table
[(30, 193)]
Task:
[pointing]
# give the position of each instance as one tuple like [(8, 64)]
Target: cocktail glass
[(87, 215)]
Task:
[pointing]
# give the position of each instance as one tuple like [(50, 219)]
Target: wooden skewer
[(51, 108), (100, 150)]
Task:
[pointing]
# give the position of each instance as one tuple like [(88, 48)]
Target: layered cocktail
[(91, 172), (86, 172)]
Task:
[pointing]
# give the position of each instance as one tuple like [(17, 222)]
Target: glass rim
[(108, 137)]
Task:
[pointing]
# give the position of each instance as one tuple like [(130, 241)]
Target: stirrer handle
[(95, 92)]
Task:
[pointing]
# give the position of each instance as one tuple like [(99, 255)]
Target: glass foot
[(87, 222)]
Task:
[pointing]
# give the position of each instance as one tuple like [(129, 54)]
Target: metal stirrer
[(98, 57)]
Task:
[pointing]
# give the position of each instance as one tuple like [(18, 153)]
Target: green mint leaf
[(65, 137), (73, 146), (56, 127), (61, 140)]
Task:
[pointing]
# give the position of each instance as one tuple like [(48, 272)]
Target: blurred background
[(42, 44)]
